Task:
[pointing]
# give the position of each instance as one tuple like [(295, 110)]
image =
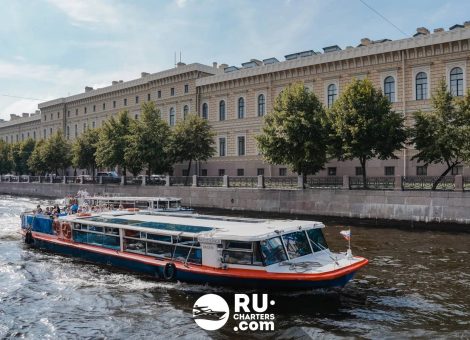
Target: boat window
[(296, 244), (95, 228), (160, 249), (77, 226), (174, 204), (273, 251), (161, 238), (239, 245), (114, 231), (237, 257), (181, 254), (131, 233), (96, 238), (317, 240), (135, 246)]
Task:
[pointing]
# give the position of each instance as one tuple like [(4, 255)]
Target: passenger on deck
[(39, 209), (47, 212), (74, 208)]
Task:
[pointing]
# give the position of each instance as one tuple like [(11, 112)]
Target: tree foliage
[(20, 153), (295, 133), (84, 149), (6, 163), (192, 140), (442, 136), (113, 141), (56, 153), (148, 142), (36, 162), (364, 126)]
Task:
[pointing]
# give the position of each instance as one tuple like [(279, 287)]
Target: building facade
[(235, 100)]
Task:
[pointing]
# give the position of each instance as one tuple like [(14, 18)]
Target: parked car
[(109, 177), (157, 179)]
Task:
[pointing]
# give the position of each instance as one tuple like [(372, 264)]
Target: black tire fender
[(169, 271)]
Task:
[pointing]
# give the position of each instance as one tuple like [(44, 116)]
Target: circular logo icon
[(210, 312)]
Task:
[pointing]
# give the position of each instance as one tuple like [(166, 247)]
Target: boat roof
[(133, 198), (200, 226)]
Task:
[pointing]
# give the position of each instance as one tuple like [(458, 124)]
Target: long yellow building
[(235, 99)]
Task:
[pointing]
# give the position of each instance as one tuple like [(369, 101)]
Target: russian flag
[(346, 234)]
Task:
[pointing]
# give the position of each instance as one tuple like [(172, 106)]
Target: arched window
[(241, 108), (68, 132), (205, 111), (456, 81), (261, 105), (185, 111), (172, 116), (222, 110), (389, 88), (421, 86), (332, 93)]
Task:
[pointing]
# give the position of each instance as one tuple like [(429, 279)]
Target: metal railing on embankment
[(409, 183)]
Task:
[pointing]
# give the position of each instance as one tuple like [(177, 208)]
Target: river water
[(416, 285)]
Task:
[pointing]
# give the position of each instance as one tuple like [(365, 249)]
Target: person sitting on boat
[(56, 207), (39, 209), (74, 208), (47, 212)]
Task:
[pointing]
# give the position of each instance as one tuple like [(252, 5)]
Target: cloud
[(83, 12), (181, 3)]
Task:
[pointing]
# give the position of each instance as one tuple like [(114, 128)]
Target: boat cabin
[(142, 203)]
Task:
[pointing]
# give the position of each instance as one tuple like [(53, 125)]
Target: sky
[(54, 48)]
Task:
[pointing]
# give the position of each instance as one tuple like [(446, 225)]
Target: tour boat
[(215, 250)]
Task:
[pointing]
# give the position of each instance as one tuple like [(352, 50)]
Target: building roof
[(20, 120)]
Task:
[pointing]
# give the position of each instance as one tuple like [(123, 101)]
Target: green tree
[(6, 164), (442, 136), (15, 151), (295, 133), (20, 153), (148, 142), (113, 141), (56, 153), (36, 162), (84, 149), (364, 126), (192, 140)]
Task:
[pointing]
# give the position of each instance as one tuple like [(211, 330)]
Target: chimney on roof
[(180, 64), (13, 116), (421, 31), (438, 30), (25, 114), (114, 82), (88, 89), (144, 74), (120, 81), (365, 41), (223, 66), (466, 24), (214, 64), (37, 112)]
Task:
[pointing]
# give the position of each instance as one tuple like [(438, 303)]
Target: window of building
[(172, 116), (125, 101), (58, 115), (172, 91), (241, 108), (50, 131), (332, 93), (45, 117), (222, 147), (52, 117), (68, 113), (457, 170), (94, 108), (76, 112), (34, 135), (22, 137), (358, 170), (137, 99), (332, 171), (104, 106), (136, 116), (241, 145), (114, 104), (421, 86), (76, 130), (68, 132), (222, 110), (261, 105), (159, 93), (205, 111), (84, 110), (45, 134), (282, 171), (422, 170), (148, 97), (93, 124), (389, 88), (260, 171), (203, 172), (185, 111), (240, 172), (389, 171), (221, 172), (456, 81), (186, 88), (84, 127)]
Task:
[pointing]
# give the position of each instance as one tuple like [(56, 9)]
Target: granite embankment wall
[(406, 207)]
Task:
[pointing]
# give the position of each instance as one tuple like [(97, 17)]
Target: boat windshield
[(296, 244), (273, 251), (317, 240)]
